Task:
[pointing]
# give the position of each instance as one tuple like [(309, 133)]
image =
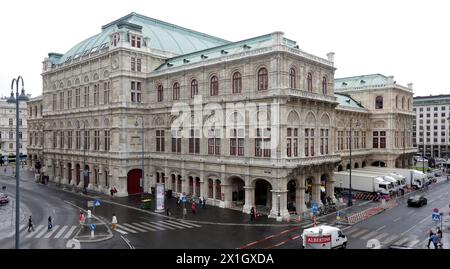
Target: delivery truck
[(363, 182), (413, 177), (323, 237), (399, 181)]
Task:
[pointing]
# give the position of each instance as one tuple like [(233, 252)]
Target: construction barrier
[(363, 215)]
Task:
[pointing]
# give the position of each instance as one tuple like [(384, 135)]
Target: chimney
[(390, 80), (330, 56), (277, 38), (410, 85)]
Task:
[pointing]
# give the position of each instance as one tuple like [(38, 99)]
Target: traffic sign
[(93, 226), (97, 203), (435, 210), (436, 216), (338, 213), (90, 204)]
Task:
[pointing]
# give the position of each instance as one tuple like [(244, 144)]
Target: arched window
[(310, 82), (194, 88), (379, 102), (324, 85), (214, 86), (176, 91), (160, 93), (237, 82), (262, 79), (292, 78), (403, 102)]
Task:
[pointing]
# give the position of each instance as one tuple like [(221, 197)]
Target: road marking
[(182, 224), (120, 231), (378, 237), (128, 242), (363, 231), (162, 225), (132, 227), (352, 230), (41, 233), (61, 231), (172, 225), (425, 219), (389, 239), (190, 223), (397, 219), (413, 243), (270, 236), (308, 225), (409, 229), (144, 227), (410, 212), (369, 235), (381, 228), (52, 231), (401, 241), (69, 233), (35, 231), (153, 226), (126, 229)]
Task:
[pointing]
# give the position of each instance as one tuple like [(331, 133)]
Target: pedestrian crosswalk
[(154, 226), (386, 239), (41, 231)]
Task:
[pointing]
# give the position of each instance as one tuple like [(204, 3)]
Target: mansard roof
[(347, 101), (162, 36), (358, 82)]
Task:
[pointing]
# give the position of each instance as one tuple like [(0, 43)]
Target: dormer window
[(116, 39), (94, 49), (135, 41), (344, 83), (362, 81)]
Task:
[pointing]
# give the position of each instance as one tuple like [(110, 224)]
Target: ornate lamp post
[(16, 100), (350, 200)]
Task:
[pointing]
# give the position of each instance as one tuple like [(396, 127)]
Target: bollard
[(92, 233)]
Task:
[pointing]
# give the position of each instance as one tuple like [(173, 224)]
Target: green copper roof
[(360, 82), (226, 49), (163, 36), (347, 101)]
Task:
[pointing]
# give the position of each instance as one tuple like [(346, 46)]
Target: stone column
[(330, 186), (227, 191), (121, 186), (279, 202), (249, 199), (316, 189), (214, 190), (194, 184), (73, 182), (300, 194), (64, 178)]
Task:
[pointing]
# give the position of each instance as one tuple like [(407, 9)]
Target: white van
[(323, 237)]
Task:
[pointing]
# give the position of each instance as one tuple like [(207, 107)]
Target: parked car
[(417, 201), (3, 199)]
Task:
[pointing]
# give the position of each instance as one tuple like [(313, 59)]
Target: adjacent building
[(257, 122), (431, 126), (35, 131), (8, 129)]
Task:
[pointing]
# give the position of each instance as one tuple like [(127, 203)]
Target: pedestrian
[(435, 240), (111, 191), (194, 207), (114, 222), (252, 214), (439, 235), (82, 219), (200, 201), (50, 224), (168, 212), (30, 224), (430, 235)]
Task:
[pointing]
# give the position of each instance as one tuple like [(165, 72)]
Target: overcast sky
[(407, 39)]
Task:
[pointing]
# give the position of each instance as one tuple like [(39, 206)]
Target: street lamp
[(350, 200), (12, 100), (142, 153)]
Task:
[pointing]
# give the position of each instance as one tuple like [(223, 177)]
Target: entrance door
[(134, 182)]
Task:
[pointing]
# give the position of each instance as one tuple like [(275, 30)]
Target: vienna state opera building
[(255, 122)]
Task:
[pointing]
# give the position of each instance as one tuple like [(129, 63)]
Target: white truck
[(363, 182), (399, 181), (413, 177), (323, 237)]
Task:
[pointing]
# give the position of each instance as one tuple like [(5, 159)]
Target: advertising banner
[(159, 197), (318, 239)]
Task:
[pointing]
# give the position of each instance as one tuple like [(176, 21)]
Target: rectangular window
[(77, 140), (69, 99), (87, 140), (176, 141), (213, 142), (55, 140), (61, 101), (96, 94), (54, 102), (86, 96), (292, 142), (61, 140), (133, 64), (323, 141), (133, 40), (375, 140), (160, 140), (236, 142), (347, 144), (69, 139), (106, 92), (363, 139), (97, 140), (383, 139), (263, 142), (77, 98), (194, 141), (107, 140), (138, 65), (138, 42)]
